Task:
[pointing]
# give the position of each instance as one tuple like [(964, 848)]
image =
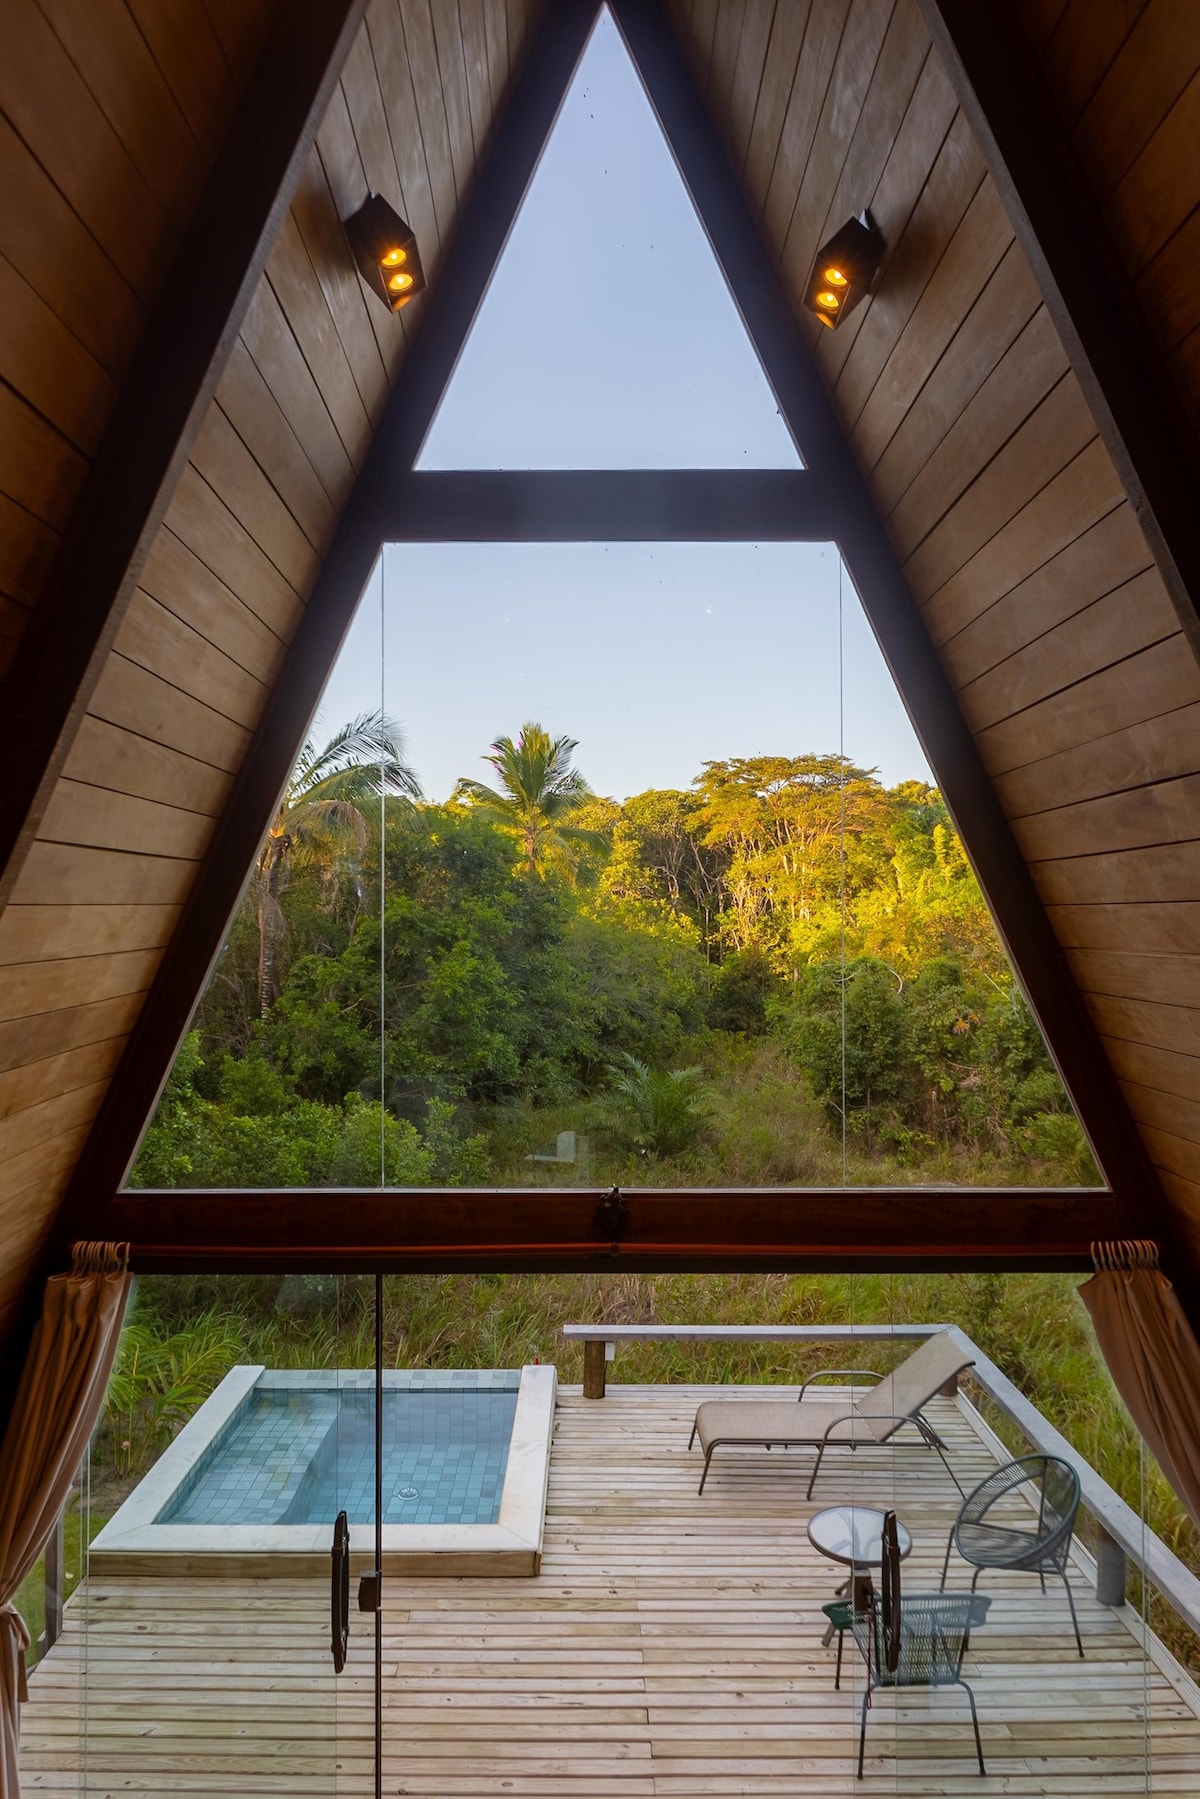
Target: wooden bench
[(600, 1340)]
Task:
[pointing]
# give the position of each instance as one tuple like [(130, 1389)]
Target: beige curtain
[(1152, 1356), (58, 1402)]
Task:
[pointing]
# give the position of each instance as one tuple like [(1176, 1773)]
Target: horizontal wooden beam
[(608, 506), (572, 1230)]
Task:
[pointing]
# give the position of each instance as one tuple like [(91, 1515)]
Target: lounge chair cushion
[(776, 1421)]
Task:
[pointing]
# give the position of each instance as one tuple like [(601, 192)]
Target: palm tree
[(320, 820), (539, 790)]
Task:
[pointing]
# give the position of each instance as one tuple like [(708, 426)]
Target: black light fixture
[(844, 270), (386, 252)]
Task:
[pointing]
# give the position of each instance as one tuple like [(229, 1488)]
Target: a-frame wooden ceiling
[(988, 402)]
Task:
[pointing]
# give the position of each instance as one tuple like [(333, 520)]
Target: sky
[(608, 339)]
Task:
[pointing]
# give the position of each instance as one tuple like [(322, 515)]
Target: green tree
[(320, 822), (539, 792)]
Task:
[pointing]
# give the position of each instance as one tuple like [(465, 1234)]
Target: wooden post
[(950, 1389), (53, 1588), (594, 1369), (1110, 1569)]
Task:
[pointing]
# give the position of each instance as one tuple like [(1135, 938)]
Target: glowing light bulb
[(829, 301), (391, 259), (835, 278), (399, 282)]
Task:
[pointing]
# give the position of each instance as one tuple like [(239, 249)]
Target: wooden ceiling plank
[(1152, 447), (814, 71), (1083, 493), (1152, 683), (784, 47), (1165, 872), (83, 814), (36, 1083), (183, 43), (242, 28), (163, 401), (913, 162), (320, 226), (1169, 288), (215, 892), (27, 549), (1128, 974), (39, 470), (945, 197), (45, 362), (472, 34), (1118, 625), (1153, 63), (495, 20), (33, 932), (140, 701), (293, 280), (256, 416), (58, 874), (111, 54), (1156, 1070), (395, 78), (372, 147), (1056, 431), (163, 644), (883, 50), (1161, 812), (1081, 51), (1174, 1153), (43, 236), (1149, 205), (947, 742), (970, 258), (421, 56), (552, 1229), (701, 31), (187, 587), (727, 37), (123, 762), (1102, 558), (49, 104), (1175, 1029), (37, 1125), (279, 359), (453, 76), (229, 468), (965, 469), (750, 69), (45, 986), (203, 520), (68, 1027)]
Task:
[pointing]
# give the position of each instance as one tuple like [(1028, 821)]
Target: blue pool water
[(300, 1454)]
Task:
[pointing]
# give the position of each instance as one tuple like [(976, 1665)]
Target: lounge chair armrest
[(828, 1373)]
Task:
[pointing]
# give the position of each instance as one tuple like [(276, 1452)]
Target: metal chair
[(989, 1537), (916, 1640)]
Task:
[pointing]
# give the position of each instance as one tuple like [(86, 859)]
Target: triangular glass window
[(608, 338)]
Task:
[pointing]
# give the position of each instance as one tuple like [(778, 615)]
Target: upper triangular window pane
[(608, 338)]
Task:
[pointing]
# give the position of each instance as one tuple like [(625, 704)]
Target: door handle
[(339, 1593)]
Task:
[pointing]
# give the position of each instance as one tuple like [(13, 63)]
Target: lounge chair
[(875, 1418)]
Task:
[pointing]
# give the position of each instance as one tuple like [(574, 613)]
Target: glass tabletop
[(852, 1534)]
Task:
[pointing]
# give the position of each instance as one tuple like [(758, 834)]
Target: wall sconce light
[(386, 252), (844, 270)]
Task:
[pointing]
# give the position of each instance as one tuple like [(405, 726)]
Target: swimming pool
[(257, 1477)]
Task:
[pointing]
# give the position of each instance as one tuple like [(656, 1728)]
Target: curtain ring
[(100, 1258), (1123, 1255)]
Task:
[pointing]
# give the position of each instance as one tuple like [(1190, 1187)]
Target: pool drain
[(409, 1492)]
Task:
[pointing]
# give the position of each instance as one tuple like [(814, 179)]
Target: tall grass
[(1033, 1326)]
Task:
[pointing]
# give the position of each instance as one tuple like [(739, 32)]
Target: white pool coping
[(131, 1543)]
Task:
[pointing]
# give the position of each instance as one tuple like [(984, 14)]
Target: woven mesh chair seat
[(934, 1629), (995, 1546)]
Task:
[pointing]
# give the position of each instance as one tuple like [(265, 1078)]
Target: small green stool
[(840, 1612)]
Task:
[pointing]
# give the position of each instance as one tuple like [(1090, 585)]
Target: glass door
[(214, 1644)]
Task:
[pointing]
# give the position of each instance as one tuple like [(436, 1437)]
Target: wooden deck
[(670, 1646)]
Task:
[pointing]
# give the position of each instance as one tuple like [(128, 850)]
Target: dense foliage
[(784, 966)]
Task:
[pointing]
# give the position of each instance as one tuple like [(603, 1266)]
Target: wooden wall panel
[(1018, 543), (115, 111)]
